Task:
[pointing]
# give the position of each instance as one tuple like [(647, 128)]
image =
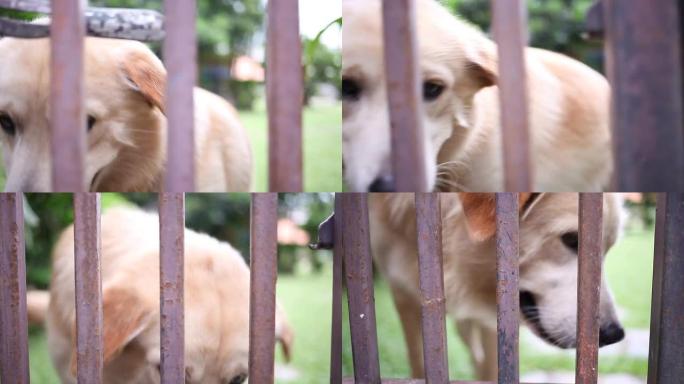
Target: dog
[(126, 126), (548, 269), (569, 107), (216, 305)]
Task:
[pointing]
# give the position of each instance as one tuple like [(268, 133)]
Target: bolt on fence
[(352, 245), (71, 22)]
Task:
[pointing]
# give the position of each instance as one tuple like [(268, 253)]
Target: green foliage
[(323, 66), (20, 15), (557, 25)]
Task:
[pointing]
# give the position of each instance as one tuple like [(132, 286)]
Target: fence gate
[(352, 244)]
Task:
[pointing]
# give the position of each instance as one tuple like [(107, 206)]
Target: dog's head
[(456, 61), (124, 88), (549, 261), (216, 320)]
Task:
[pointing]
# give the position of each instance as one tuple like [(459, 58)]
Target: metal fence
[(71, 22), (644, 42), (13, 316), (352, 246)]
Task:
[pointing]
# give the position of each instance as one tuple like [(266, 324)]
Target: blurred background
[(231, 40), (304, 286), (629, 270)]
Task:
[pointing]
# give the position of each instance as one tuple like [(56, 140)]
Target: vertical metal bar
[(666, 350), (14, 367), (402, 69), (88, 287), (644, 65), (336, 336), (429, 228), (507, 294), (67, 116), (264, 270), (285, 96), (589, 286), (510, 21), (180, 57), (352, 219), (171, 253)]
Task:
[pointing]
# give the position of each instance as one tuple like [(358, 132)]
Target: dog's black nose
[(382, 184), (611, 334)]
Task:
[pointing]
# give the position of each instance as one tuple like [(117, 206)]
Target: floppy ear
[(482, 67), (479, 210), (145, 74), (284, 333), (124, 317)]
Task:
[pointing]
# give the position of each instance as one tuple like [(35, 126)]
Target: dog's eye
[(570, 240), (351, 89), (91, 122), (432, 90), (239, 379), (7, 124)]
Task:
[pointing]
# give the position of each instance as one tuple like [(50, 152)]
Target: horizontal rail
[(429, 236), (507, 293), (352, 216), (14, 357), (644, 65), (666, 349), (87, 256), (264, 271), (416, 381), (402, 69), (509, 21), (180, 58), (285, 96), (589, 286), (171, 283)]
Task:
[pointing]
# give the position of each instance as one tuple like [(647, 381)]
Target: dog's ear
[(145, 74), (284, 333), (125, 316), (482, 67), (479, 210)]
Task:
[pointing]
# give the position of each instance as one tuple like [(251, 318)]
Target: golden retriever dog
[(216, 305), (126, 126), (548, 269), (568, 109)]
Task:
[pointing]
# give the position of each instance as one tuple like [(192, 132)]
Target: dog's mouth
[(530, 311)]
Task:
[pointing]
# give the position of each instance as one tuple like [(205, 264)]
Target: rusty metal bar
[(67, 114), (644, 65), (264, 270), (171, 253), (429, 233), (348, 380), (589, 286), (352, 219), (14, 367), (87, 256), (507, 294), (402, 69), (285, 96), (180, 58), (666, 350), (510, 20)]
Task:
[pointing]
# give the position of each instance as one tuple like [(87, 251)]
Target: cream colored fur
[(547, 268), (216, 304), (126, 149), (568, 108)]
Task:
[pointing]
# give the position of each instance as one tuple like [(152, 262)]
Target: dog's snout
[(382, 184), (611, 334)]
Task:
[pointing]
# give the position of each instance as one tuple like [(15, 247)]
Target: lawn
[(322, 144), (629, 272), (308, 303)]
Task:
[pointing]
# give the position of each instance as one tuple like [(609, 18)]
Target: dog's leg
[(481, 343), (409, 313)]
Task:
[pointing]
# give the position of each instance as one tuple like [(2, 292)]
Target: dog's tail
[(37, 306), (284, 333)]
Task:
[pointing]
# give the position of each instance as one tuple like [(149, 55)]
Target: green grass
[(629, 272), (307, 300), (322, 144)]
